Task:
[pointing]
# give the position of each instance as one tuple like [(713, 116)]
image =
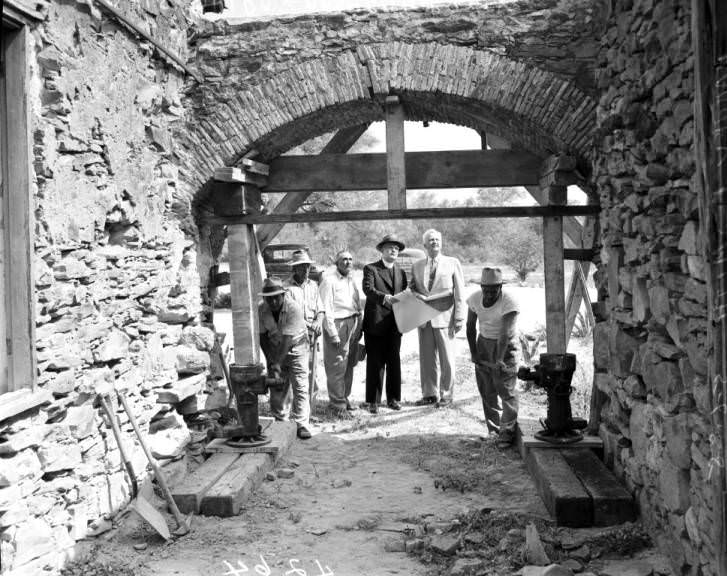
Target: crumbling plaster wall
[(651, 353), (117, 278)]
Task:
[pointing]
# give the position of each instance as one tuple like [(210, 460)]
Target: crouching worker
[(284, 340), (494, 353)]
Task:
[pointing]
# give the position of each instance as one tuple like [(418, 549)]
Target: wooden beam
[(577, 293), (580, 254), (395, 155), (554, 273), (19, 218), (424, 170), (413, 214), (341, 142), (240, 176)]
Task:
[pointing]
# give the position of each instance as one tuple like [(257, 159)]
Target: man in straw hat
[(284, 340), (494, 351), (305, 293), (381, 280), (341, 331)]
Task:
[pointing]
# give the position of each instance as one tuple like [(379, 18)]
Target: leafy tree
[(521, 247)]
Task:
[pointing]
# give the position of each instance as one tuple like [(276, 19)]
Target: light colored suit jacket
[(449, 277)]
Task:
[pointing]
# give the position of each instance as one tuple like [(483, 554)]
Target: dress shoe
[(374, 408), (394, 405), (505, 439), (444, 402), (350, 407), (303, 433), (426, 401)]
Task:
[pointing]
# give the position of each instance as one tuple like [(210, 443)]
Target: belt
[(347, 317)]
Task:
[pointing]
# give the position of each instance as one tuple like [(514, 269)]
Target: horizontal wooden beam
[(424, 170), (581, 254), (235, 175), (413, 214)]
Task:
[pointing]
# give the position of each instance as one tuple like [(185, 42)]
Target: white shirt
[(340, 297), (490, 319)]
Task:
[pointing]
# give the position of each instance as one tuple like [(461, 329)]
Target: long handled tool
[(139, 501), (182, 522), (313, 370)]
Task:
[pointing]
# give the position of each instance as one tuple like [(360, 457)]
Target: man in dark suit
[(381, 281)]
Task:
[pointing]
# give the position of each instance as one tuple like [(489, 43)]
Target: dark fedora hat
[(272, 287), (390, 239)]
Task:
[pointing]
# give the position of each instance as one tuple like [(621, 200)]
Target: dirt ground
[(359, 490)]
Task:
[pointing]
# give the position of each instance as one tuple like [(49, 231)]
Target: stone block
[(468, 567), (621, 351), (677, 434), (33, 539), (81, 420), (17, 441), (198, 337), (661, 377), (168, 443), (601, 346), (182, 389), (659, 304), (21, 466), (114, 347), (674, 487), (191, 361), (56, 457)]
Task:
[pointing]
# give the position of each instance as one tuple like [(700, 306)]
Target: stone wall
[(651, 352), (117, 281)]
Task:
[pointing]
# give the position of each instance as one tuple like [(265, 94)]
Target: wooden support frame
[(554, 273), (424, 170), (395, 154), (18, 208), (341, 142), (414, 214)]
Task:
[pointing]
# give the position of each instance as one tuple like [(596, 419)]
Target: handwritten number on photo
[(232, 571), (262, 569), (295, 571), (324, 572)]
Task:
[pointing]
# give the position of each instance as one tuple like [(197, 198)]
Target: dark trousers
[(382, 355)]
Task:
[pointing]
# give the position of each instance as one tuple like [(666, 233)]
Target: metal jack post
[(248, 382), (554, 373)]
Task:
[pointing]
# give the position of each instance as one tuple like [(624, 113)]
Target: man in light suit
[(435, 274)]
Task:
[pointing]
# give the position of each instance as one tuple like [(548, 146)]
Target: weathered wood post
[(556, 175), (395, 154)]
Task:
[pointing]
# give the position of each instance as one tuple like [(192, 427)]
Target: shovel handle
[(117, 435), (181, 521)]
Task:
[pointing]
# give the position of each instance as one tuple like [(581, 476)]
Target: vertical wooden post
[(554, 274), (395, 163), (243, 294)]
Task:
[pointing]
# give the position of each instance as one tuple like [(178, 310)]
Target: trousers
[(496, 386), (436, 347), (292, 399), (339, 364)]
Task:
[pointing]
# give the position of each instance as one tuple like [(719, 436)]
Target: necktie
[(432, 272)]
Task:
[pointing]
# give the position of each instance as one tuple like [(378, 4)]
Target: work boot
[(394, 405), (505, 439), (303, 433), (426, 401)]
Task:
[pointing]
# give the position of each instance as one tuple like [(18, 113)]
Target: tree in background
[(520, 246)]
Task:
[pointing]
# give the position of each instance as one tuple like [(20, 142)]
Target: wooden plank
[(226, 496), (181, 389), (395, 155), (255, 167), (577, 292), (19, 218), (554, 276), (612, 503), (243, 294), (238, 176), (245, 475), (193, 489), (560, 489), (424, 170), (340, 143), (414, 214), (580, 254), (19, 401)]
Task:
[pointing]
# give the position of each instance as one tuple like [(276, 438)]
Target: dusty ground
[(360, 489)]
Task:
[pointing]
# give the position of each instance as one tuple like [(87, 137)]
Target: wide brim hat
[(491, 277), (390, 239), (272, 287), (300, 257)]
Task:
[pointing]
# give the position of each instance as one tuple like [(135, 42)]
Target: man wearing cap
[(494, 352), (437, 274), (305, 293), (284, 340), (341, 331), (381, 281)]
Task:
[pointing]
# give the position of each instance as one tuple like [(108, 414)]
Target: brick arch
[(531, 107)]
